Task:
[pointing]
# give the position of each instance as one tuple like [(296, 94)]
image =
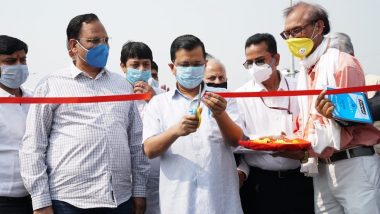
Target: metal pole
[(292, 70)]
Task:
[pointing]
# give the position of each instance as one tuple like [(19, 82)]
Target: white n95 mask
[(260, 73)]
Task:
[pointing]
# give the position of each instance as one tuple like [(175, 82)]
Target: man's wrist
[(243, 174), (305, 157), (218, 115)]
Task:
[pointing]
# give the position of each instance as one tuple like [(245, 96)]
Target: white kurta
[(198, 172), (12, 129)]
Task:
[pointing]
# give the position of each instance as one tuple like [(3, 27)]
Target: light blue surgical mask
[(13, 76), (191, 76), (154, 83), (134, 75), (96, 56)]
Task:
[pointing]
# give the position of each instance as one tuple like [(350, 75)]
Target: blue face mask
[(96, 56), (190, 77), (134, 75), (13, 76)]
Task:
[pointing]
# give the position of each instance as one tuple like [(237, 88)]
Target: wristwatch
[(305, 157)]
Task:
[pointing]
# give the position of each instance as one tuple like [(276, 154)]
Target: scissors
[(197, 110)]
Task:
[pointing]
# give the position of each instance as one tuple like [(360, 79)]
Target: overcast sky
[(223, 26)]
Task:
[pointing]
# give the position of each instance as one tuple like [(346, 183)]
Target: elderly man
[(215, 73), (85, 158), (349, 170), (14, 198), (342, 42)]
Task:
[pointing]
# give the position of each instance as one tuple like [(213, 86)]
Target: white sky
[(223, 26)]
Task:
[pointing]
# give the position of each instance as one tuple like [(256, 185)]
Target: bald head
[(215, 72)]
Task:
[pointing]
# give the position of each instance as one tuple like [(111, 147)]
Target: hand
[(139, 205), (187, 125), (141, 87), (45, 210), (216, 103), (165, 88), (296, 155), (324, 106), (242, 178)]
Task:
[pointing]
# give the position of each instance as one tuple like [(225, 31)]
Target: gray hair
[(210, 57), (342, 42), (316, 12)]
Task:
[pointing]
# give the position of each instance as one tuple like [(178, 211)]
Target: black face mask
[(217, 85)]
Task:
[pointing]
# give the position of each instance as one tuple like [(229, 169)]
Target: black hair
[(154, 66), (137, 50), (187, 42), (317, 12), (9, 45), (75, 25), (263, 37)]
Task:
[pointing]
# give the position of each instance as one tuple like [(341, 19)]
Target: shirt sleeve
[(140, 164), (243, 166), (33, 151), (233, 111), (151, 122)]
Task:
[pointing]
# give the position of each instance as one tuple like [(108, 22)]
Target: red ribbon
[(130, 97), (298, 92), (63, 100)]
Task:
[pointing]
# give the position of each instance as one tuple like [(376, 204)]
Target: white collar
[(313, 58), (74, 71), (4, 93)]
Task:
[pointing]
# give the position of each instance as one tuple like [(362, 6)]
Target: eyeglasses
[(259, 62), (294, 32), (96, 41)]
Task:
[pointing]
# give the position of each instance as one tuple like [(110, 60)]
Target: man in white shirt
[(274, 182), (197, 171), (136, 61), (14, 198)]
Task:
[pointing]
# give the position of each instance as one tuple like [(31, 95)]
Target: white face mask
[(13, 76), (260, 73)]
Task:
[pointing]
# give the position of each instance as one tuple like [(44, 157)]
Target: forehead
[(92, 29), (256, 50), (195, 54), (137, 60), (214, 68), (16, 54), (300, 16)]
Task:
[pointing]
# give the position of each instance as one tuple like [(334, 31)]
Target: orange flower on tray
[(276, 144)]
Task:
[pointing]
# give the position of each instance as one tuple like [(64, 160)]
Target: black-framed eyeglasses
[(294, 32), (259, 62)]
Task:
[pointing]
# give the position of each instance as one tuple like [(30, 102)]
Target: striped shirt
[(88, 155)]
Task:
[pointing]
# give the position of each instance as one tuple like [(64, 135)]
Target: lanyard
[(280, 108)]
